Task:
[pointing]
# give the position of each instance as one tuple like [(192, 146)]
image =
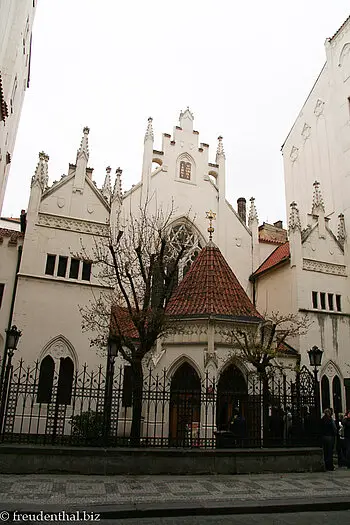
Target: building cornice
[(62, 222)]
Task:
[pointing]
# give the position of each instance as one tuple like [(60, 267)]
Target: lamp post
[(112, 352), (315, 357), (12, 338)]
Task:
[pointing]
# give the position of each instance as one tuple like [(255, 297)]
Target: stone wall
[(47, 459)]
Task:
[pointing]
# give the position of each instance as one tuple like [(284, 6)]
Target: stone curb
[(205, 508)]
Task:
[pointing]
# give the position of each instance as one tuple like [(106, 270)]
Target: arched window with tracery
[(183, 235)]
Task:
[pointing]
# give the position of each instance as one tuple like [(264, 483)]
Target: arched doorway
[(325, 394), (232, 394), (185, 400), (337, 402)]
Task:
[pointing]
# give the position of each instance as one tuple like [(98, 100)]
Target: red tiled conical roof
[(211, 288)]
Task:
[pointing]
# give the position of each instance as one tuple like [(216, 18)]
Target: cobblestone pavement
[(86, 491)]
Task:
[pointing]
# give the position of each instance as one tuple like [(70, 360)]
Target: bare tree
[(263, 344), (139, 264)]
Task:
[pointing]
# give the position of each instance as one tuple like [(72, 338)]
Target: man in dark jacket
[(328, 433)]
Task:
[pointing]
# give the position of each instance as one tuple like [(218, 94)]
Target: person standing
[(346, 426), (328, 433)]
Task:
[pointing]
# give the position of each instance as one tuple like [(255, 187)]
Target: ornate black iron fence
[(177, 411)]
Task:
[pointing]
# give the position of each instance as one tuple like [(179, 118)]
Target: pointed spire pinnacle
[(294, 218), (84, 144), (41, 172), (149, 131), (341, 229), (117, 190), (317, 200), (253, 214), (220, 149), (186, 114), (107, 185)]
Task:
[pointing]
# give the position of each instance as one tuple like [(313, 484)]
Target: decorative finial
[(211, 216), (317, 200), (84, 144), (41, 172), (149, 131), (220, 149), (341, 229), (294, 218), (107, 186), (117, 190), (253, 214)]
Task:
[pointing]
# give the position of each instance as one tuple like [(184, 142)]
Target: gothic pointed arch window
[(185, 168), (180, 235), (46, 375), (337, 401), (58, 362), (325, 393)]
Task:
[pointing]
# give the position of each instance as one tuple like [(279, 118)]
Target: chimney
[(23, 219), (242, 209), (278, 224)]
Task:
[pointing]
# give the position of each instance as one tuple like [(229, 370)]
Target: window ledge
[(326, 312), (65, 280)]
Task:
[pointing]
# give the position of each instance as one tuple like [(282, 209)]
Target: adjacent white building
[(316, 153), (16, 20)]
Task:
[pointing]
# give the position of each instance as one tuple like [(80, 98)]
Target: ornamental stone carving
[(306, 131), (210, 358), (294, 154), (324, 267), (76, 225), (319, 107), (330, 370), (59, 349)]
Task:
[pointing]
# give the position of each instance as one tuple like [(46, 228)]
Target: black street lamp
[(112, 352), (315, 357), (12, 338)]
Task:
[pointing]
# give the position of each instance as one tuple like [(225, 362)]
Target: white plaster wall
[(8, 264), (275, 291), (47, 308)]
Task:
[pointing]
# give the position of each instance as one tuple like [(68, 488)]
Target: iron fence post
[(5, 387), (107, 410)]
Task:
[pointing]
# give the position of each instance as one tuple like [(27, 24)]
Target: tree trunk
[(137, 389), (266, 402)]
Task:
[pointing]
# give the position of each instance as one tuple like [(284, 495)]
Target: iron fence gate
[(176, 412)]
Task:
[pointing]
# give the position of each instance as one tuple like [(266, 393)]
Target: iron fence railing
[(186, 412)]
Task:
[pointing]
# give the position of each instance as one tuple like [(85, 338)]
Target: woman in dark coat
[(328, 433)]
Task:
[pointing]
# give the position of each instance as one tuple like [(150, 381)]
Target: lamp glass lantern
[(13, 336), (112, 347), (315, 356)]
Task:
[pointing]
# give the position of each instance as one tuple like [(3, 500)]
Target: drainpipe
[(252, 280)]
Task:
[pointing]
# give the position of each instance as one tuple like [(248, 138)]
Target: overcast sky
[(243, 68)]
